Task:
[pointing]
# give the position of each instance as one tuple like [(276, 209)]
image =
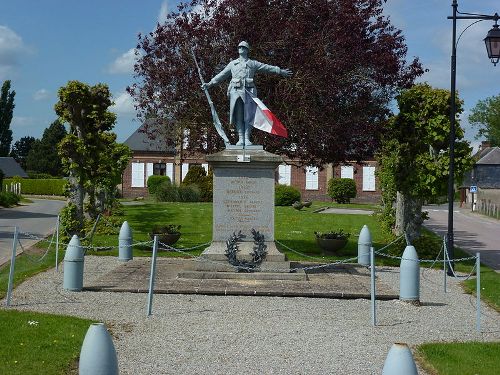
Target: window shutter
[(284, 174), (346, 171), (137, 175), (149, 170), (368, 178), (184, 170), (170, 171), (312, 178)]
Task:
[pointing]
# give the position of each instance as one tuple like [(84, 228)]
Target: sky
[(44, 44)]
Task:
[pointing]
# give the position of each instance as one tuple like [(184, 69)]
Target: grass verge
[(468, 358), (35, 343)]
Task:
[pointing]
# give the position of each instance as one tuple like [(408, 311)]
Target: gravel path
[(195, 334)]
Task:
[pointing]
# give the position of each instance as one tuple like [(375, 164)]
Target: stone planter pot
[(331, 246), (166, 238)]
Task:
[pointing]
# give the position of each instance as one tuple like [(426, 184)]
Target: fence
[(156, 245)]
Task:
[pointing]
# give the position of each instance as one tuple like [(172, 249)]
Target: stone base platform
[(217, 252), (340, 281)]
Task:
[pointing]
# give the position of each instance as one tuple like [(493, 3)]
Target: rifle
[(215, 117)]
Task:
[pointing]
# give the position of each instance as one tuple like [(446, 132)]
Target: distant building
[(485, 175), (155, 157), (11, 168)]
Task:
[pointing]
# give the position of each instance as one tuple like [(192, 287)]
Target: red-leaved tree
[(348, 62)]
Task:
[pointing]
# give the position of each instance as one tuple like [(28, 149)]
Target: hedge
[(49, 186)]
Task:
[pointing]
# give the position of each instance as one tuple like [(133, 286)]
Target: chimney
[(485, 145)]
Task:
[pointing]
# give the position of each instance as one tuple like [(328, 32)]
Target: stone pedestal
[(243, 199)]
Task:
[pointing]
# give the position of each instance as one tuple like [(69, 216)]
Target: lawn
[(469, 358), (34, 343)]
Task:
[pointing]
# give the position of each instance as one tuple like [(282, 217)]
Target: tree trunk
[(76, 196), (408, 216)]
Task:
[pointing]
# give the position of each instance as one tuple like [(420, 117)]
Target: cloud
[(22, 121), (124, 105), (41, 95), (124, 64), (162, 15), (11, 49)]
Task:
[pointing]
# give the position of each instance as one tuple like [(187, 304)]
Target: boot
[(248, 132), (241, 138)]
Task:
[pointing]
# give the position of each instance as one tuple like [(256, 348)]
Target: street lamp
[(492, 42)]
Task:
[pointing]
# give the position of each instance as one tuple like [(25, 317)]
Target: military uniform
[(242, 80)]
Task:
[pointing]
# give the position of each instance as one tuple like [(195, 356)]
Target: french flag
[(262, 118)]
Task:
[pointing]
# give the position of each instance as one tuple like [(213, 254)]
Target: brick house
[(155, 158)]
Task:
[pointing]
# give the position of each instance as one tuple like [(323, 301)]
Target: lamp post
[(492, 42)]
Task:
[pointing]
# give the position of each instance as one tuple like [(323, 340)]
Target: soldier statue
[(242, 71)]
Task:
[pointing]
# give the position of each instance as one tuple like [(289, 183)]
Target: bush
[(285, 195), (38, 176), (52, 186), (8, 199), (342, 189), (167, 192), (195, 175), (198, 176), (189, 193), (155, 181)]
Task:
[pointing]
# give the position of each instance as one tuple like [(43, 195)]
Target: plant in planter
[(330, 242), (167, 234)]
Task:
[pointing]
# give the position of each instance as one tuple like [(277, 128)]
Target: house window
[(205, 167), (346, 171), (284, 174), (312, 178), (368, 178), (137, 175), (160, 169)]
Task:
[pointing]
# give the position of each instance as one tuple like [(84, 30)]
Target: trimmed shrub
[(38, 176), (155, 181), (285, 195), (167, 192), (189, 193), (342, 189), (199, 177), (52, 186), (195, 175)]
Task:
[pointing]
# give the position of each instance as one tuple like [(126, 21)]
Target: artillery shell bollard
[(98, 354), (73, 266), (399, 361), (125, 243), (409, 276), (364, 244)]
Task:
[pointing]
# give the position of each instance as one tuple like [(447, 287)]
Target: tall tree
[(486, 115), (348, 62), (414, 156), (43, 157), (89, 152), (6, 111), (21, 148)]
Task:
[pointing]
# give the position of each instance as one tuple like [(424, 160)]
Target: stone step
[(298, 276)]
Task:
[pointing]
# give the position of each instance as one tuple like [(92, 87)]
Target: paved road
[(37, 218), (472, 232)]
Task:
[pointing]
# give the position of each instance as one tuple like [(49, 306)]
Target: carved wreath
[(258, 254)]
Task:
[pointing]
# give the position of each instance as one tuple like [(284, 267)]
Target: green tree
[(43, 157), (21, 149), (414, 156), (486, 115), (89, 152), (6, 111)]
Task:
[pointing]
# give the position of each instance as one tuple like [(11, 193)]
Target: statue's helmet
[(244, 44)]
